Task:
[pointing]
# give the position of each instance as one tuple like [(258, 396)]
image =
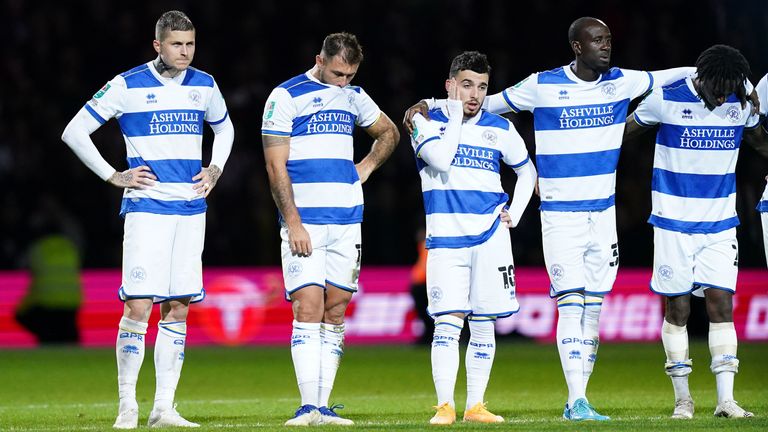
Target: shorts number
[(508, 275)]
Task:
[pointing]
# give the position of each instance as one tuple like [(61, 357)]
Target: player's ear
[(156, 45), (576, 47), (319, 60)]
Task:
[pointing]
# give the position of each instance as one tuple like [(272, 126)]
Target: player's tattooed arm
[(276, 152), (206, 180), (140, 177), (386, 137)]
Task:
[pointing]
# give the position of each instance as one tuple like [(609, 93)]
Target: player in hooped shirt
[(701, 120), (470, 271), (161, 107), (307, 136), (579, 112)]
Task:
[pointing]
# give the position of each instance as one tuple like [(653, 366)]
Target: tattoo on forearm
[(282, 193), (214, 172), (125, 177)]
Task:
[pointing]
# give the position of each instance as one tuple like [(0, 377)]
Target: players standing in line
[(307, 136), (470, 271), (579, 112), (701, 120), (160, 106)]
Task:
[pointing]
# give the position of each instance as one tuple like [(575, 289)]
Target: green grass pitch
[(383, 387)]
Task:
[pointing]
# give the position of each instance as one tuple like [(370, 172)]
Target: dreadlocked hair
[(724, 70)]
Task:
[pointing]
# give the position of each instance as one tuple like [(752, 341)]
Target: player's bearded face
[(177, 49), (334, 71), (472, 89)]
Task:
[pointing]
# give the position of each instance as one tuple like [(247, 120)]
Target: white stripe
[(459, 178), (455, 225), (574, 141), (694, 209), (322, 147), (328, 194), (688, 161), (577, 188), (165, 192), (164, 147)]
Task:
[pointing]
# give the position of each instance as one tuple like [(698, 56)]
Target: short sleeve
[(513, 147), (216, 111), (523, 95), (424, 131), (762, 94), (108, 101), (648, 113), (279, 113), (638, 82), (367, 110)]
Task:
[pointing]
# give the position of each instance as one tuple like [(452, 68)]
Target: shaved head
[(577, 27)]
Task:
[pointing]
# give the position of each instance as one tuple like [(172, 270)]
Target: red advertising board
[(247, 306)]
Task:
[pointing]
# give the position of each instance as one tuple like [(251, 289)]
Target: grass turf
[(384, 388)]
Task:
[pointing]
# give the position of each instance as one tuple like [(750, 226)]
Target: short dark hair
[(470, 60), (345, 45), (172, 21), (574, 31), (723, 70)]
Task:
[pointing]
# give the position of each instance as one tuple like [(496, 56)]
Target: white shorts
[(690, 263), (764, 220), (581, 251), (162, 256), (335, 259), (477, 280)]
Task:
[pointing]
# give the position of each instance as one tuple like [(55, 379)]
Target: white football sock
[(445, 356), (479, 358), (306, 353), (723, 346), (590, 332), (570, 308), (130, 356), (169, 358), (678, 365), (332, 350)]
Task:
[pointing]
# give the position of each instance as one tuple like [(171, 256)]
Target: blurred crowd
[(55, 55)]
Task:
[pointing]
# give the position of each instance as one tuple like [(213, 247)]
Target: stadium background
[(55, 55)]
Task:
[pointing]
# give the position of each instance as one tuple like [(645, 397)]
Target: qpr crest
[(490, 137), (665, 273), (557, 272), (733, 114), (294, 269), (435, 294), (138, 274), (195, 97), (609, 90)]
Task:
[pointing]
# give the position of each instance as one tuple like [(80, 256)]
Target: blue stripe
[(693, 227), (341, 287), (322, 171), (693, 185), (95, 115), (337, 122), (515, 166), (462, 201), (578, 164), (140, 77), (161, 299), (484, 158), (678, 91), (149, 205), (554, 76), (197, 78), (331, 215), (650, 82), (493, 120), (642, 123), (706, 285), (167, 122), (570, 295), (581, 116), (302, 87), (700, 137), (553, 293), (437, 115), (612, 74), (170, 170), (462, 241), (447, 324), (356, 89), (569, 305), (509, 102), (274, 132), (762, 206), (494, 315), (579, 205), (420, 146), (226, 114)]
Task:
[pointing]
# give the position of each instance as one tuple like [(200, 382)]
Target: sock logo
[(592, 358), (181, 356), (482, 355), (130, 349), (575, 354), (570, 340), (178, 341), (130, 335)]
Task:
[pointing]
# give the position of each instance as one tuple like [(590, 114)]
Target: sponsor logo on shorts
[(666, 273), (130, 349), (294, 269), (435, 294), (557, 272), (138, 274)]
